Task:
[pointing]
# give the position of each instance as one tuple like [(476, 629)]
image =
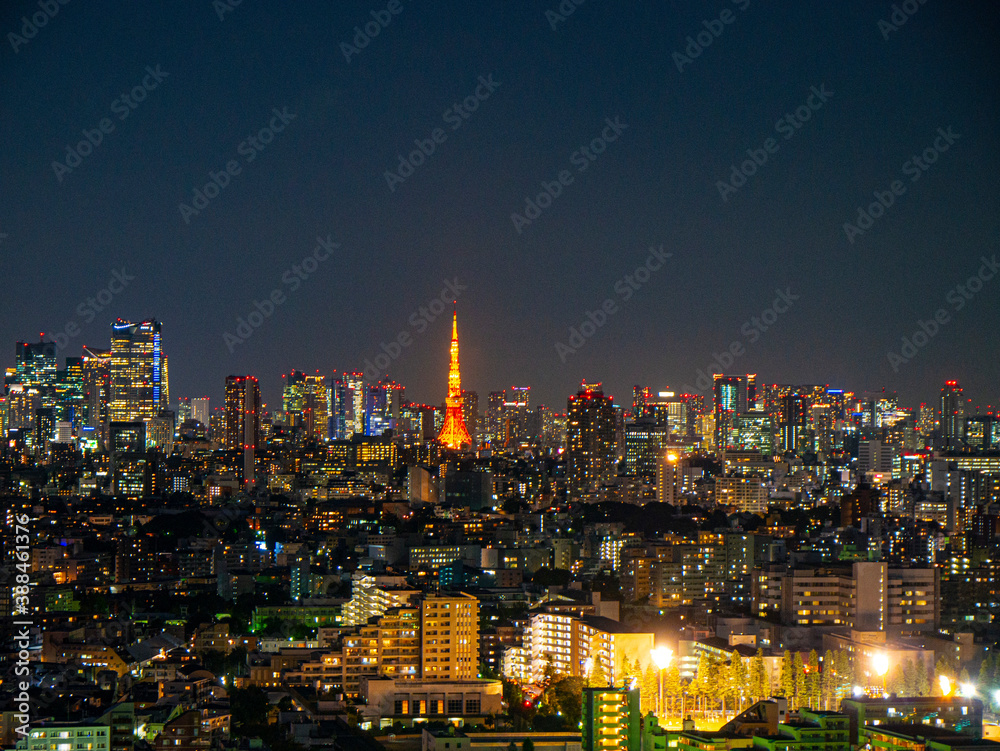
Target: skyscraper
[(136, 370), (243, 421), (97, 389), (494, 417), (315, 407), (470, 411), (183, 409), (201, 411), (454, 434), (293, 397), (590, 439), (35, 368), (951, 414), (734, 394), (794, 414)]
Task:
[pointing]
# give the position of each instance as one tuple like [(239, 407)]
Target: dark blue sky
[(656, 184)]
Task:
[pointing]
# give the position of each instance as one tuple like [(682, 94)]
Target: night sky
[(543, 94)]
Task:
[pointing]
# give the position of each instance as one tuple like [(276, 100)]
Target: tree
[(828, 681), (800, 680), (739, 680), (760, 687), (597, 678), (528, 745), (896, 683), (963, 678), (813, 680), (923, 679), (630, 670), (249, 707), (787, 679), (566, 697), (673, 689), (650, 690), (986, 671), (946, 666)]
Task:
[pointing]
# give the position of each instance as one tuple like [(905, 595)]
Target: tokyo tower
[(454, 434)]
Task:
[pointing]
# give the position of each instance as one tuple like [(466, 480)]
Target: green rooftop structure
[(915, 737), (813, 731), (611, 719)]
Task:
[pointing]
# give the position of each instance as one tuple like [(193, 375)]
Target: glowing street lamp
[(661, 657), (968, 690), (881, 664), (946, 687)]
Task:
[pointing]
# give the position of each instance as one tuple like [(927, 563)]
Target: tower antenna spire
[(454, 434)]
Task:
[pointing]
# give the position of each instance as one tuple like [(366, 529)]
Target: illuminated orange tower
[(454, 434)]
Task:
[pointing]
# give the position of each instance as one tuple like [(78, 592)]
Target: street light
[(661, 657), (946, 687), (882, 667)]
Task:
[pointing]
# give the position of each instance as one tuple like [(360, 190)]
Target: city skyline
[(862, 173)]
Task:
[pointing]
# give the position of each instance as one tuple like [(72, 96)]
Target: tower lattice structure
[(454, 434)]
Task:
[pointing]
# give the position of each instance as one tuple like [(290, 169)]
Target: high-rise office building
[(794, 417), (590, 439), (97, 389), (293, 397), (201, 411), (183, 409), (382, 406), (641, 396), (35, 368), (70, 404), (982, 432), (951, 413), (315, 407), (243, 421), (494, 417), (752, 431), (136, 370), (644, 444), (470, 411), (347, 405), (734, 395), (517, 420)]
